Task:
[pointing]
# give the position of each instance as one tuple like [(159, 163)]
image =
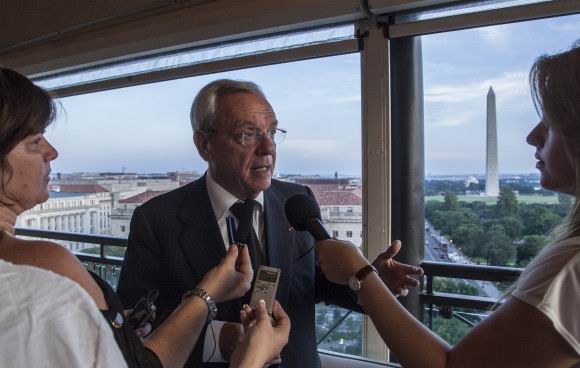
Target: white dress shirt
[(221, 201)]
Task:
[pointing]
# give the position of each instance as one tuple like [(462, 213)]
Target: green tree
[(469, 237), (454, 286), (513, 226), (451, 203), (529, 248), (507, 203), (451, 330), (538, 219), (565, 203), (501, 250)]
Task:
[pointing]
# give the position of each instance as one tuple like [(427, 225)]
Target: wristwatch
[(207, 299), (355, 281)]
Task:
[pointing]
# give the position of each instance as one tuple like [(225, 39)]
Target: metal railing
[(430, 298), (106, 266)]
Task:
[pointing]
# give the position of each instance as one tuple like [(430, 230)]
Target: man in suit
[(177, 237)]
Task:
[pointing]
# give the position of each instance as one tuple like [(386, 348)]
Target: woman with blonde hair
[(538, 325)]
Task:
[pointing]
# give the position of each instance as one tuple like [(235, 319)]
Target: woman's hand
[(264, 338), (232, 278), (339, 260)]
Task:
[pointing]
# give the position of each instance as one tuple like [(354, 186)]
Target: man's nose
[(266, 144)]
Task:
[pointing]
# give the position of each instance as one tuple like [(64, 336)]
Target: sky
[(146, 129)]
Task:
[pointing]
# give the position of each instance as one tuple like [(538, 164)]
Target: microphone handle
[(316, 229)]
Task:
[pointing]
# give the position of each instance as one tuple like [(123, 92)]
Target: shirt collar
[(221, 200)]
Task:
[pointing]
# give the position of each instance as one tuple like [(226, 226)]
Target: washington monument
[(491, 177)]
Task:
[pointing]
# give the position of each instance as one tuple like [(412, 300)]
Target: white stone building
[(341, 210), (72, 208), (121, 215)]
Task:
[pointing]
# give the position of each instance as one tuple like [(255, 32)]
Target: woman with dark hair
[(25, 156), (538, 325)]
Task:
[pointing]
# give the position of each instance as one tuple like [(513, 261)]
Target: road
[(438, 248)]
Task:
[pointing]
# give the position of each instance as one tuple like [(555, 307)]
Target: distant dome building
[(470, 180)]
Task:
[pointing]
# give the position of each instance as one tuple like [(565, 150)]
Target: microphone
[(303, 214)]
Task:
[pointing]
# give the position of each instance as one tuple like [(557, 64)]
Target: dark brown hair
[(25, 109)]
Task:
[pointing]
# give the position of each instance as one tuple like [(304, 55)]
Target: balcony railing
[(430, 298), (108, 267)]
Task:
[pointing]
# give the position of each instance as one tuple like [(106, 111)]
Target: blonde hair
[(555, 87)]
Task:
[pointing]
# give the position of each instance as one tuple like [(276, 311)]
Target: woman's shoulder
[(555, 263), (53, 257), (40, 253)]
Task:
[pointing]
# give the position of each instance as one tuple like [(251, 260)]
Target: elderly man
[(177, 237)]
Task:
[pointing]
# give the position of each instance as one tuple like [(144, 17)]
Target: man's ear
[(202, 144)]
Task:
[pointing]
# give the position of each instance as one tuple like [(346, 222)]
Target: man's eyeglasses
[(251, 138)]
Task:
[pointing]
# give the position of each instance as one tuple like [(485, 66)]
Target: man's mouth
[(540, 162), (261, 168)]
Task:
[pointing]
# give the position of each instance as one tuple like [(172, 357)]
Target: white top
[(551, 283), (221, 201), (50, 321)]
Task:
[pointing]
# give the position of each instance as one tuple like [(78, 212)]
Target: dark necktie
[(245, 233)]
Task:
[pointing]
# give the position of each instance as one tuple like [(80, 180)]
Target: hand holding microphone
[(340, 260)]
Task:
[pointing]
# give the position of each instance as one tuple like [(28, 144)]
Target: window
[(478, 213), (349, 234), (335, 233), (317, 101)]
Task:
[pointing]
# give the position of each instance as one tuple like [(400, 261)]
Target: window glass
[(122, 147), (477, 211)]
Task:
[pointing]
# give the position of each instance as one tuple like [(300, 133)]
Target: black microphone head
[(299, 209)]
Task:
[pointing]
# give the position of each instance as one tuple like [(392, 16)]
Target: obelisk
[(491, 177)]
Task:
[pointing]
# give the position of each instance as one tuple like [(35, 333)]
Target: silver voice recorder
[(265, 287)]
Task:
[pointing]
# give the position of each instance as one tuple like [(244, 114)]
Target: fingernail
[(245, 306), (262, 301)]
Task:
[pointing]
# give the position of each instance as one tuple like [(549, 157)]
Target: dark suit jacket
[(175, 240)]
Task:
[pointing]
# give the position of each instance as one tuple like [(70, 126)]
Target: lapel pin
[(290, 228)]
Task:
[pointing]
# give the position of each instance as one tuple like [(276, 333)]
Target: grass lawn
[(492, 200)]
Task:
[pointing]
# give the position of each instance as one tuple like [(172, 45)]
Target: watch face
[(354, 283)]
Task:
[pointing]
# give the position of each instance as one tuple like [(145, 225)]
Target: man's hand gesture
[(397, 276)]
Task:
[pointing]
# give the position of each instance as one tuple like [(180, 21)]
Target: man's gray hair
[(203, 109)]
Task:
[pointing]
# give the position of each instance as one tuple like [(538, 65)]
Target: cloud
[(451, 120), (312, 147), (509, 85), (495, 36), (573, 26)]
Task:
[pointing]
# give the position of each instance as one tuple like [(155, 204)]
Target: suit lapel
[(279, 240), (201, 241)]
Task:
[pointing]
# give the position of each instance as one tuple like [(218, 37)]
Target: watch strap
[(211, 306), (363, 272)]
